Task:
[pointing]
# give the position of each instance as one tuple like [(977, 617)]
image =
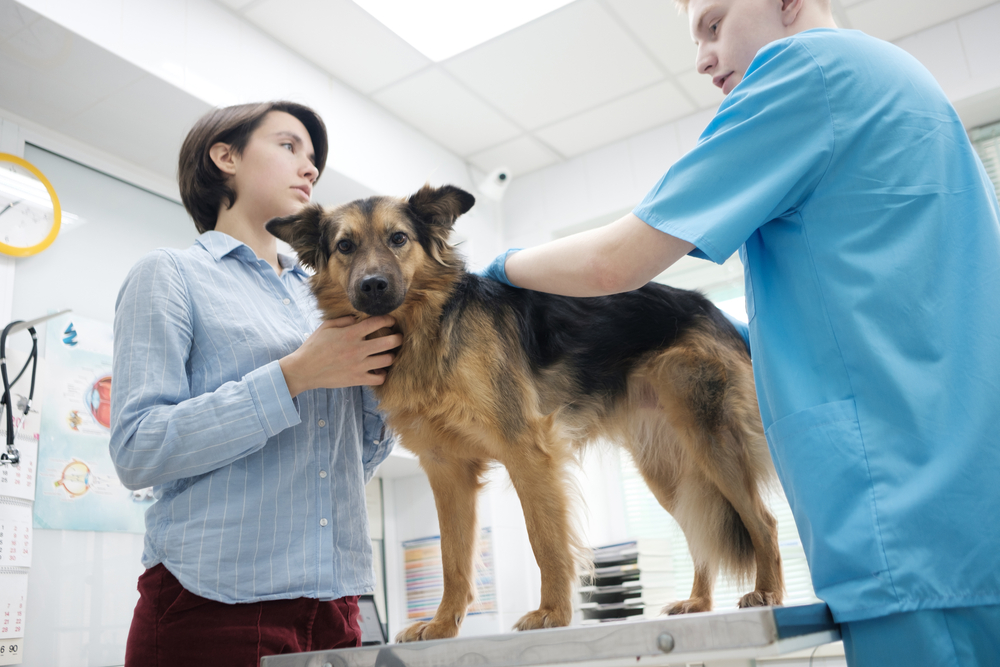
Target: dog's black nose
[(374, 285)]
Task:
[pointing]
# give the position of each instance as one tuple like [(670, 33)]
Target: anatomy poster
[(77, 488)]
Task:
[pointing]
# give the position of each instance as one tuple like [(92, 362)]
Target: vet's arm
[(621, 256)]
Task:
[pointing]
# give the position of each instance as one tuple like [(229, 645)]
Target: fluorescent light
[(440, 29)]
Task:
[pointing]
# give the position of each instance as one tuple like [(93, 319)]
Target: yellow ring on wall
[(17, 251)]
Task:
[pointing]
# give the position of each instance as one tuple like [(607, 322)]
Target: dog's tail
[(736, 551)]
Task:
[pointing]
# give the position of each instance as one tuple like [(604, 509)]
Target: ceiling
[(583, 76), (52, 78)]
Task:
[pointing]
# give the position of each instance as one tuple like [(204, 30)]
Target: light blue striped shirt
[(259, 496)]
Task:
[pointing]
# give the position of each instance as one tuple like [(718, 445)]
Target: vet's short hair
[(682, 5), (204, 188)]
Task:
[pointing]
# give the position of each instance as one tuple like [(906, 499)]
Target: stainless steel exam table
[(729, 639)]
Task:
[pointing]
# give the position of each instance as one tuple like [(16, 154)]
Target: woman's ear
[(224, 158)]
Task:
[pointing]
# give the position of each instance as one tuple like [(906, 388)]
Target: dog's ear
[(440, 207), (305, 231)]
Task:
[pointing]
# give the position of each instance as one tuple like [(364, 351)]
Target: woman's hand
[(338, 354)]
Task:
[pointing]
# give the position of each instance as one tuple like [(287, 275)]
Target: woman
[(245, 414)]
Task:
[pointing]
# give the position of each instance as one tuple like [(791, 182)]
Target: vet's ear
[(305, 232), (440, 207)]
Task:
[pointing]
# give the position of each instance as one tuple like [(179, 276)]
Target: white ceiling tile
[(13, 17), (159, 105), (624, 117), (235, 4), (700, 87), (573, 59), (153, 36), (661, 29), (69, 64), (447, 112), (940, 51), (341, 38), (979, 33), (893, 19), (212, 42), (520, 156)]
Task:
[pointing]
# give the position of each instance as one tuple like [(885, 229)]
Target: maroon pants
[(172, 626)]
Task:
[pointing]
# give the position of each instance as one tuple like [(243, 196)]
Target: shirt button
[(322, 522), (374, 442), (322, 473), (322, 423), (286, 301)]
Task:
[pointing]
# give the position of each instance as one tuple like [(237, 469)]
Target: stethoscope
[(12, 456)]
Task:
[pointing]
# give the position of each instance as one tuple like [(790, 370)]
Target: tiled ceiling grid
[(588, 74)]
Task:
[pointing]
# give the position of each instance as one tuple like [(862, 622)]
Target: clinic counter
[(737, 637)]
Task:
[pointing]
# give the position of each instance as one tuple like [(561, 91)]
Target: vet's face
[(729, 33), (373, 254)]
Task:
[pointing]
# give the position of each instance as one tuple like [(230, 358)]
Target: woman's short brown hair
[(203, 186)]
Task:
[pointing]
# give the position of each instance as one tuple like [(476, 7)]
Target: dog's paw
[(543, 618), (425, 630), (760, 599), (692, 606)]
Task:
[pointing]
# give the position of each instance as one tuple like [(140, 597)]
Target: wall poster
[(78, 488)]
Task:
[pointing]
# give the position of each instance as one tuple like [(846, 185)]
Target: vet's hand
[(337, 354), (497, 271)]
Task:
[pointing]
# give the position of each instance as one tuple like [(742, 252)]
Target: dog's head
[(371, 251)]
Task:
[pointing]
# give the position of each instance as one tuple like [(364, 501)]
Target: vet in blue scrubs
[(870, 239)]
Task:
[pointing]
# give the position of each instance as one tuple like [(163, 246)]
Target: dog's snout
[(374, 285)]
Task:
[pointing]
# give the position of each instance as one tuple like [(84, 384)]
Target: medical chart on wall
[(425, 577), (78, 488)]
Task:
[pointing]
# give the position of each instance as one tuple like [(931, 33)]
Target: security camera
[(494, 185)]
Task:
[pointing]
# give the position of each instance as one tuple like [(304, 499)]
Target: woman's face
[(275, 174)]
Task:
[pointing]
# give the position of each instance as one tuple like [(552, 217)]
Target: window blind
[(986, 141), (645, 519)]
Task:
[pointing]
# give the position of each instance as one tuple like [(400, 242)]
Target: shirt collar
[(219, 244)]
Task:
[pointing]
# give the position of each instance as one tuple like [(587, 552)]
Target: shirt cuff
[(274, 404)]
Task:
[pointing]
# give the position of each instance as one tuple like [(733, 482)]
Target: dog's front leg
[(455, 484), (539, 478)]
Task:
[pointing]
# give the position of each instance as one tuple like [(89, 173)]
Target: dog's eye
[(345, 246), (399, 238)]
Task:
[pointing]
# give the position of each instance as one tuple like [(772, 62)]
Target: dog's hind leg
[(690, 498), (455, 484), (710, 401), (539, 476)]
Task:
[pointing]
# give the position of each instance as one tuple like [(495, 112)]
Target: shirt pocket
[(820, 456)]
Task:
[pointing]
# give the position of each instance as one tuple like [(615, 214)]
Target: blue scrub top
[(870, 240)]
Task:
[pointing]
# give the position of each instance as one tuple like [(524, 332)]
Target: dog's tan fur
[(462, 393)]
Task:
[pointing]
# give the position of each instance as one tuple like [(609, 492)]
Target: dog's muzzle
[(374, 295)]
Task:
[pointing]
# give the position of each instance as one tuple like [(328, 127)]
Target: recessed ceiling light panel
[(440, 29)]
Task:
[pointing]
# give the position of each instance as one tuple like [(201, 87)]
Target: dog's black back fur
[(601, 338)]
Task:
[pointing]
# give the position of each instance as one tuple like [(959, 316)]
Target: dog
[(487, 372)]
